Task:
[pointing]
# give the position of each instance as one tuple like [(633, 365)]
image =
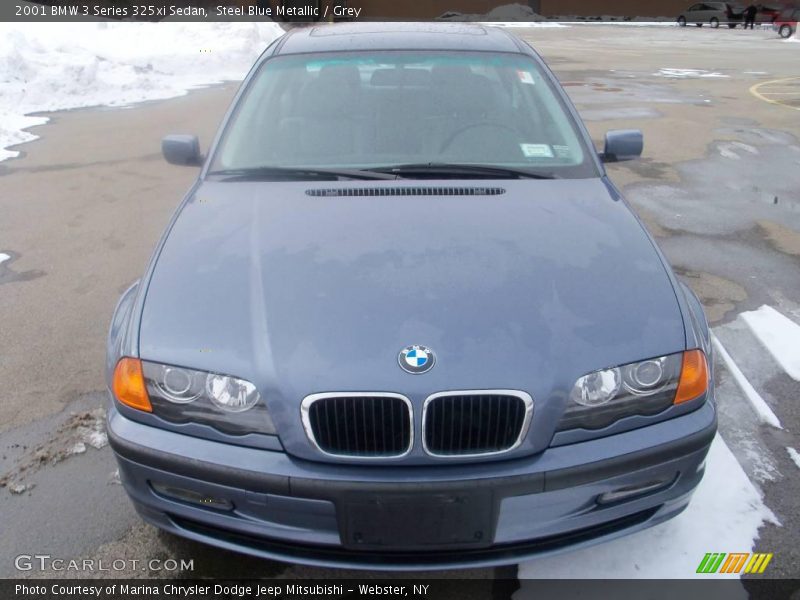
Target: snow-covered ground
[(671, 73), (524, 24), (54, 66), (724, 514)]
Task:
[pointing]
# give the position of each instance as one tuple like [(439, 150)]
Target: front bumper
[(297, 511)]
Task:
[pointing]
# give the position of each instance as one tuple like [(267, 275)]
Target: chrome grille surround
[(305, 412)]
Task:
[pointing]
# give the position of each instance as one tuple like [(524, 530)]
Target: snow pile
[(513, 12), (508, 15), (725, 514), (687, 74), (54, 66)]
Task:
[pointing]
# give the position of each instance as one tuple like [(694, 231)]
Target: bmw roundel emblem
[(416, 359)]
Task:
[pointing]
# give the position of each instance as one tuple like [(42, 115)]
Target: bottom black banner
[(427, 589)]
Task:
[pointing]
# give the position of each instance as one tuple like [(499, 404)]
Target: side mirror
[(622, 144), (182, 150)]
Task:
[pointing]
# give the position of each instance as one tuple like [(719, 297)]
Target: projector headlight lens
[(179, 385), (646, 377), (602, 397), (228, 404)]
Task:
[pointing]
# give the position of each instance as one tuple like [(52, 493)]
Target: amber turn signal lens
[(129, 387), (694, 376)]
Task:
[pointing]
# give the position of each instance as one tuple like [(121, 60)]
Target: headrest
[(449, 75), (346, 75)]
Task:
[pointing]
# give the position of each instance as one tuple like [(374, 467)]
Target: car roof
[(342, 37)]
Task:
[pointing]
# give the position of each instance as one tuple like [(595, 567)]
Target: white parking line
[(779, 334), (794, 455), (761, 408)]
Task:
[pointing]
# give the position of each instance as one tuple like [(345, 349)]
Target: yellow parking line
[(754, 90)]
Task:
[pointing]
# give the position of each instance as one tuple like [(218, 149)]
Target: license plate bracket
[(421, 521)]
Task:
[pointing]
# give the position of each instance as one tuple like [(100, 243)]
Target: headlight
[(596, 389), (641, 388), (231, 394), (229, 404), (177, 385)]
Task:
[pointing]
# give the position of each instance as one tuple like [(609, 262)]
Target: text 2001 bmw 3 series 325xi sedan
[(403, 319)]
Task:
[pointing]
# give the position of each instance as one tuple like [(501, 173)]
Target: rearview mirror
[(622, 144), (182, 150)]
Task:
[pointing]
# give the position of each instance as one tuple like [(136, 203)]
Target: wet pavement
[(718, 187)]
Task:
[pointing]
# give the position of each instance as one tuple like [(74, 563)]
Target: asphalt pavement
[(83, 206)]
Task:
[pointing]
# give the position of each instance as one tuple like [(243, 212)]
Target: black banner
[(305, 11), (422, 588)]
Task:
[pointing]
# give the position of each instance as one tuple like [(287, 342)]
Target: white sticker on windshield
[(526, 77), (561, 151), (536, 150)]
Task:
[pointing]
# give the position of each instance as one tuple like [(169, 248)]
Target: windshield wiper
[(433, 169), (297, 174)]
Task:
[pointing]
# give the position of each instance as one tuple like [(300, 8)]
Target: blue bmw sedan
[(403, 319)]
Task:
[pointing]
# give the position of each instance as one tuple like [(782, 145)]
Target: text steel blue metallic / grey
[(403, 320)]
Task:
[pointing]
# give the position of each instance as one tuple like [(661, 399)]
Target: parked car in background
[(767, 14), (712, 13), (786, 23)]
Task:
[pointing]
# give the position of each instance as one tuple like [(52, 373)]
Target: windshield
[(361, 111)]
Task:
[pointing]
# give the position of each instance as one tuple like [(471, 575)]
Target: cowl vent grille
[(406, 191)]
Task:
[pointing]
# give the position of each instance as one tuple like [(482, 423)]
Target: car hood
[(301, 294)]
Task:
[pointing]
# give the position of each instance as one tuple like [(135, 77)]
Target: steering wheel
[(460, 132)]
